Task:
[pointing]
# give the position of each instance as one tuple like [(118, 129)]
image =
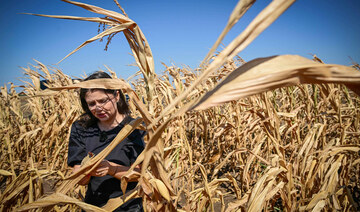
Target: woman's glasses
[(100, 103)]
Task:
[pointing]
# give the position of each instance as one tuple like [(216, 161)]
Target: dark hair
[(88, 119)]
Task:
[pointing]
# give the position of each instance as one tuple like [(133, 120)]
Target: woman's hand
[(110, 168), (104, 168), (85, 180)]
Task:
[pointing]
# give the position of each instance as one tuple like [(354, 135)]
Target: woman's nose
[(98, 107)]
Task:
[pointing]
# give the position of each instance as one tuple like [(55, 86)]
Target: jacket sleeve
[(135, 146), (77, 149)]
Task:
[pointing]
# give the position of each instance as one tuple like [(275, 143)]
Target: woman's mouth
[(103, 115)]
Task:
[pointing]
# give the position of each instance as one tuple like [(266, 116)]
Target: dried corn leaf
[(235, 185), (114, 84), (91, 19), (317, 198), (117, 16), (114, 203), (239, 10), (237, 204), (58, 198), (264, 74), (15, 188), (161, 188), (96, 83), (5, 173), (222, 163), (258, 25), (115, 29), (336, 150), (258, 201), (319, 206)]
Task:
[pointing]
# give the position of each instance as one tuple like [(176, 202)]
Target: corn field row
[(294, 148), (271, 134)]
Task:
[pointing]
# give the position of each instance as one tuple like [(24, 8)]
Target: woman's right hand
[(85, 180)]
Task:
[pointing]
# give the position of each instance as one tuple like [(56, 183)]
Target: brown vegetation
[(267, 146)]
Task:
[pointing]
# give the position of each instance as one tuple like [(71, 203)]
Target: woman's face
[(102, 105)]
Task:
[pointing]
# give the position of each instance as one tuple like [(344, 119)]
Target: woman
[(106, 113)]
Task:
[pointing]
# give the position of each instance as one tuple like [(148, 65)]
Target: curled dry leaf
[(161, 188), (56, 199), (96, 83), (265, 74)]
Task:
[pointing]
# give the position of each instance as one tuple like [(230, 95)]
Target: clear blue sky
[(179, 33)]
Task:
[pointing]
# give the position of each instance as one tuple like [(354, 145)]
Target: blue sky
[(179, 33)]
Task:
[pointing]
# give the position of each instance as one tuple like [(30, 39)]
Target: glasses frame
[(100, 105)]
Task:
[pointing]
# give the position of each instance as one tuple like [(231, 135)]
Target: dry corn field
[(273, 134)]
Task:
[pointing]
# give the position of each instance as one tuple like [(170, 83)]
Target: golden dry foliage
[(217, 140), (291, 148), (113, 23)]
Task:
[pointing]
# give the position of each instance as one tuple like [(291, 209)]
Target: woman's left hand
[(109, 168), (103, 169)]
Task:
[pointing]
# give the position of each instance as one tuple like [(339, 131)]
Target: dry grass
[(293, 148)]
